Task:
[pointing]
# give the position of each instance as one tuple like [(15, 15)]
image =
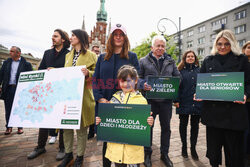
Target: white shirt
[(14, 67)]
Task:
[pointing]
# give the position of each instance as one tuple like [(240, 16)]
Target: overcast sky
[(30, 23)]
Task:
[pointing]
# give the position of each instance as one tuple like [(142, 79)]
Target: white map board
[(49, 99)]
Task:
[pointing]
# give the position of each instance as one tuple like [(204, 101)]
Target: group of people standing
[(226, 122)]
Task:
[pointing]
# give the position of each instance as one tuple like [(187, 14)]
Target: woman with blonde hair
[(185, 105), (225, 121)]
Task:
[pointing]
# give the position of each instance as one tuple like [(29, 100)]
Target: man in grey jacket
[(158, 63)]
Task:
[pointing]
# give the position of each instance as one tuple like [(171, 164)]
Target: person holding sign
[(159, 63), (125, 154), (246, 52), (225, 121), (105, 82), (78, 56), (185, 105), (52, 58)]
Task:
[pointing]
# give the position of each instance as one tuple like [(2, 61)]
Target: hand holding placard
[(226, 86), (242, 102), (196, 99), (147, 87)]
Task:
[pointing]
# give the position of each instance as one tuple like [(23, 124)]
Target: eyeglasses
[(226, 45)]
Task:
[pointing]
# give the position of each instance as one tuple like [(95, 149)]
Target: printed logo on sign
[(69, 121), (31, 77)]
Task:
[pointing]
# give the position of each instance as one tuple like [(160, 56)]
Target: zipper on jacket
[(128, 98), (152, 61)]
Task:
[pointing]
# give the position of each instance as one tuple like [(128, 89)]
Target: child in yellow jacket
[(123, 154)]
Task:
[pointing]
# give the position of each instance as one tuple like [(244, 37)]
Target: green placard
[(228, 86), (69, 121), (124, 123), (163, 87), (31, 77)]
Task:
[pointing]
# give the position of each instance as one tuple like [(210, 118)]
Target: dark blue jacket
[(105, 82), (187, 91), (5, 73)]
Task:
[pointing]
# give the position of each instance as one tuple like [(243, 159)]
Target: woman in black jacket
[(226, 122), (246, 52), (185, 105)]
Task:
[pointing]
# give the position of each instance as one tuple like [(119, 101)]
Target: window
[(224, 21), (241, 42), (201, 40), (176, 38), (190, 44), (240, 15), (240, 29), (201, 52), (220, 21), (177, 47), (190, 33), (213, 36), (202, 29)]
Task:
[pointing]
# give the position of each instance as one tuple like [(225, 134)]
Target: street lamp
[(178, 32)]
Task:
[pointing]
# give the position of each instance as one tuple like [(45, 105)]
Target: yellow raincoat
[(125, 153)]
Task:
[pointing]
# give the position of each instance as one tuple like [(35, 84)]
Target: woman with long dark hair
[(80, 55), (185, 105), (105, 82)]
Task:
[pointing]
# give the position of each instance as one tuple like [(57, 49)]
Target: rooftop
[(25, 55)]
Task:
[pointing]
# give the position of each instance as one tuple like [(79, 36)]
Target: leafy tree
[(145, 47)]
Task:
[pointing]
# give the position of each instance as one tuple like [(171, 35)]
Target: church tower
[(98, 34)]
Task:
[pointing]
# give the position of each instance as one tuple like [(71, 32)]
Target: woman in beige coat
[(78, 56)]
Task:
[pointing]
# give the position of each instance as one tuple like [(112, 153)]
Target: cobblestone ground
[(14, 148)]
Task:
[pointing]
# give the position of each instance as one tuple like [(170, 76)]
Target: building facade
[(4, 55), (200, 37), (98, 35)]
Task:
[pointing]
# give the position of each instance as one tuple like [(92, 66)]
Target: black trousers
[(164, 110), (43, 137), (92, 129), (248, 132), (105, 161), (233, 143), (125, 165), (8, 101), (194, 120), (52, 132)]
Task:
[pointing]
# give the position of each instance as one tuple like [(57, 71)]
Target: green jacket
[(88, 105)]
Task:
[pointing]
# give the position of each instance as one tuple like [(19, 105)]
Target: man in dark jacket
[(9, 75), (158, 63), (52, 58)]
